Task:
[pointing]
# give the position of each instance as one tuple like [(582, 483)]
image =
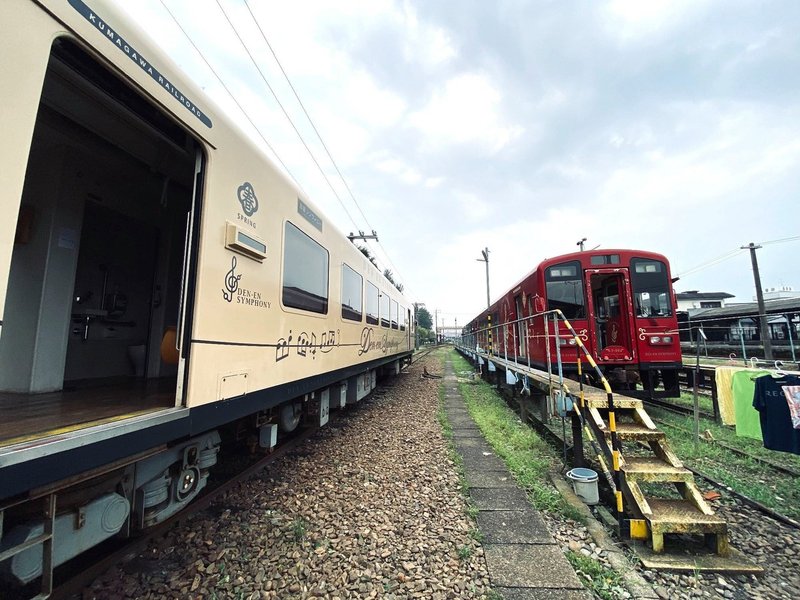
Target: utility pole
[(485, 253), (436, 320), (762, 317)]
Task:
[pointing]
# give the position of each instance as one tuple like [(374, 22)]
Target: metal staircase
[(689, 514)]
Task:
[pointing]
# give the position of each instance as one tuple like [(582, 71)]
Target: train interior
[(97, 267)]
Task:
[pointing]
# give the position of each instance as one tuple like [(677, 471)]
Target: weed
[(464, 552), (476, 534), (299, 529), (601, 580)]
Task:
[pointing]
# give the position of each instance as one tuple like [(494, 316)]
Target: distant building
[(785, 291), (693, 301)]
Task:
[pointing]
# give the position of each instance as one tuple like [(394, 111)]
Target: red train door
[(521, 327), (610, 318)]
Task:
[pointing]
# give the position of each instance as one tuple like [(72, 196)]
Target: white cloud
[(642, 20), (467, 109), (401, 170)]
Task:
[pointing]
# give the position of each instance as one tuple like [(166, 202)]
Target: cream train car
[(163, 287)]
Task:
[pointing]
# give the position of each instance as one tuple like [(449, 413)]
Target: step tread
[(681, 516), (637, 431), (651, 464)]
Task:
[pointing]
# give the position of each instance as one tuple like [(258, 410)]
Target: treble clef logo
[(231, 281)]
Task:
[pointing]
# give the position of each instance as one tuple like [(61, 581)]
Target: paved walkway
[(523, 558)]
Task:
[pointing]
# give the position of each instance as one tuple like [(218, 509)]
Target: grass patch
[(604, 582), (687, 399), (529, 458), (464, 553), (299, 527)]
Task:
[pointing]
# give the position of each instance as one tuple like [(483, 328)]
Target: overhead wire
[(311, 122), (285, 113), (256, 128), (305, 112), (233, 97)]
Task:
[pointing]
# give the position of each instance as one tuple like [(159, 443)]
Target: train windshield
[(565, 289), (650, 288)]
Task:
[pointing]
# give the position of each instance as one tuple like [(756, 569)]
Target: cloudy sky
[(671, 126)]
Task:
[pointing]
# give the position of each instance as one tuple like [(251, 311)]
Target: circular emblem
[(247, 198)]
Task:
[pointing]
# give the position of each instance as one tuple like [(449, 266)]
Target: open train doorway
[(611, 315), (101, 257)]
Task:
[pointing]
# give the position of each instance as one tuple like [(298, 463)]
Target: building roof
[(748, 309), (695, 295)]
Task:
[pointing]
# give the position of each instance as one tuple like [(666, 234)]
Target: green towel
[(748, 419)]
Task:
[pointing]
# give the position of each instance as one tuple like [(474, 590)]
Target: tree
[(424, 318)]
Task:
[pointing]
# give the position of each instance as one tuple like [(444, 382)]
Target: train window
[(372, 304), (352, 284), (395, 315), (651, 288), (605, 259), (565, 290), (385, 306), (403, 318), (305, 272)]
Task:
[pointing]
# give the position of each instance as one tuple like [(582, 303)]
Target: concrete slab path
[(524, 561)]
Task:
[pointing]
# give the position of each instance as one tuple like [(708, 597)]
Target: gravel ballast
[(369, 507)]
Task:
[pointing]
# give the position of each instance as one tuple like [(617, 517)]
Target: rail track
[(677, 408)]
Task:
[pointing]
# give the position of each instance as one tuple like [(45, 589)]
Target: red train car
[(620, 303)]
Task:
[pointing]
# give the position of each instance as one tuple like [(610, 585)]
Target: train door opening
[(98, 267), (522, 328), (612, 327)]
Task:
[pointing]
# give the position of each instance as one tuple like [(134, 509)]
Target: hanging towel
[(792, 393), (748, 420), (723, 377)]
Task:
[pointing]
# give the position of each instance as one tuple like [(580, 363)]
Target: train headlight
[(566, 341), (667, 339), (655, 339)]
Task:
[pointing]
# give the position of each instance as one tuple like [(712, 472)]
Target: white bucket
[(584, 484)]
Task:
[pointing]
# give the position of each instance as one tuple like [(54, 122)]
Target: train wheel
[(289, 416)]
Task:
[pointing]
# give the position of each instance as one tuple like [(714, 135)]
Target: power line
[(285, 113), (258, 131), (241, 108), (710, 263), (780, 241), (294, 127), (305, 112)]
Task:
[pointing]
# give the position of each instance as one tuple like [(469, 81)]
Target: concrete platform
[(523, 559), (541, 594), (490, 479), (475, 460), (529, 565), (735, 563), (513, 527), (472, 443), (489, 499)]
